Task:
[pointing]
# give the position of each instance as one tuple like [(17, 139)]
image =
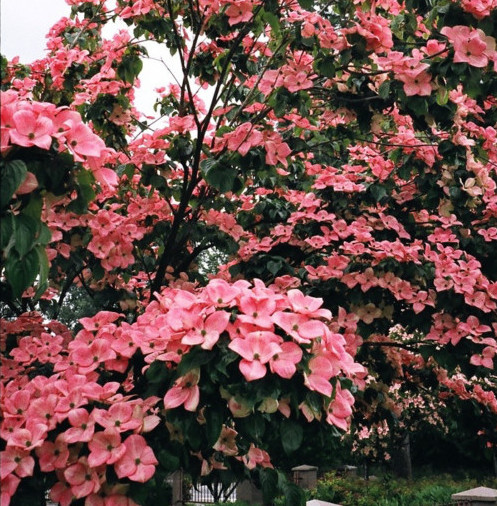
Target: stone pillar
[(176, 481), (479, 496), (248, 492), (305, 476)]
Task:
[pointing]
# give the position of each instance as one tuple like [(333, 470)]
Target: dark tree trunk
[(401, 459)]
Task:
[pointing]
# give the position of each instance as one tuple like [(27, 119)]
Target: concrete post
[(176, 481), (479, 496), (248, 492), (305, 476)]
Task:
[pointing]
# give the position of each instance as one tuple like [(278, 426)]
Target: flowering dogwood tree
[(340, 155)]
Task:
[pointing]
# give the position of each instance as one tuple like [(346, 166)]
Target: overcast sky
[(24, 24)]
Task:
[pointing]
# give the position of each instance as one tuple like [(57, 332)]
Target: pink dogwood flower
[(471, 46), (31, 129), (15, 460), (138, 462), (82, 478), (255, 350), (185, 391), (105, 447)]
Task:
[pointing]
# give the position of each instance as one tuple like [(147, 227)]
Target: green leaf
[(25, 233), (34, 206), (129, 68), (12, 174), (219, 175), (442, 95), (214, 423), (291, 436), (168, 461), (254, 426), (384, 89), (157, 372), (378, 191), (306, 4), (269, 483), (21, 272), (273, 21), (193, 359), (44, 268), (6, 231), (44, 235), (294, 495), (274, 266), (327, 66)]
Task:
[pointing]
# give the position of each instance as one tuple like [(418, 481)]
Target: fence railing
[(201, 494)]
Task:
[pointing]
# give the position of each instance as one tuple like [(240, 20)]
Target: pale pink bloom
[(16, 460), (417, 82), (83, 426), (257, 309), (207, 332), (138, 463), (119, 500), (105, 447), (285, 363), (307, 305), (29, 184), (82, 478), (31, 129), (94, 500), (88, 358), (340, 408), (256, 351), (485, 359), (277, 151), (479, 8), (100, 320), (53, 456), (243, 138), (295, 80), (221, 293), (8, 488), (17, 404), (256, 456), (321, 370), (185, 391), (82, 142), (30, 437), (300, 327), (375, 30), (61, 492), (119, 416), (43, 410), (226, 442), (470, 46), (239, 11)]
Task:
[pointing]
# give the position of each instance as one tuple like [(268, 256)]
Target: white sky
[(24, 24)]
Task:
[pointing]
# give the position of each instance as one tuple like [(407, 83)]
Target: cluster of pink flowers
[(245, 137), (27, 123), (289, 335), (35, 410), (471, 46), (113, 236), (269, 331), (479, 8)]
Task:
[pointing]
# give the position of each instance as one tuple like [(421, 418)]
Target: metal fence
[(200, 494)]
